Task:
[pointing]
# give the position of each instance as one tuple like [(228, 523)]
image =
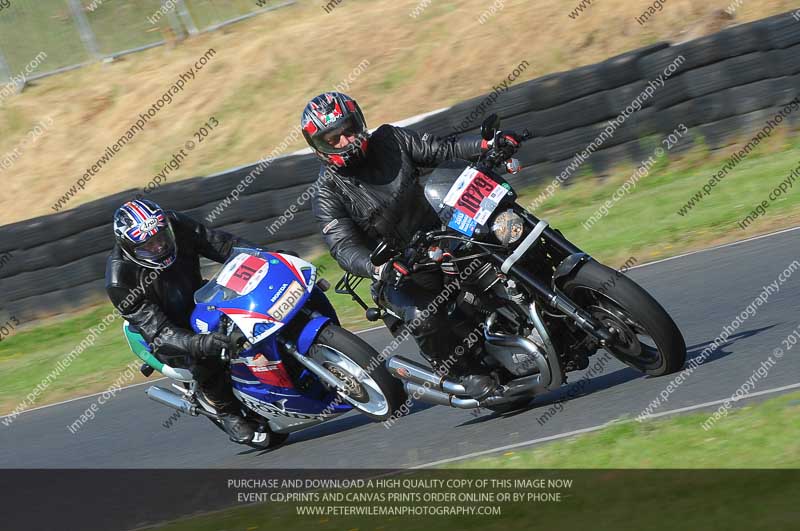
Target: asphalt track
[(703, 292)]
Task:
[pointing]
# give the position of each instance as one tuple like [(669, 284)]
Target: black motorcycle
[(541, 306)]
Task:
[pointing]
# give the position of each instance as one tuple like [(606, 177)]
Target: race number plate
[(475, 197), (243, 273)]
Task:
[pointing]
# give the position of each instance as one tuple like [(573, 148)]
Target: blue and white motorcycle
[(294, 366)]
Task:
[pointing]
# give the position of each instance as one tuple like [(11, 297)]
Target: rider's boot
[(218, 393), (238, 429)]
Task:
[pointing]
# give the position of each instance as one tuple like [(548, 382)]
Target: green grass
[(29, 356), (643, 224), (762, 436), (44, 25), (349, 312)]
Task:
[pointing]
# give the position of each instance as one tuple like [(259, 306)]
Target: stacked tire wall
[(727, 86)]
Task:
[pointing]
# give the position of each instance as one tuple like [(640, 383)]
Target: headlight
[(508, 227)]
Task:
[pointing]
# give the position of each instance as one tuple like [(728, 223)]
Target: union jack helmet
[(325, 119), (145, 234)]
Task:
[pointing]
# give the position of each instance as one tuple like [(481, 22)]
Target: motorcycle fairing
[(261, 292), (258, 290)]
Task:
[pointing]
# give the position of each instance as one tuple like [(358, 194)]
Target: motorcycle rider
[(368, 190), (148, 239)]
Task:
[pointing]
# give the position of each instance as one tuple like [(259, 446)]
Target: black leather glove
[(508, 143), (209, 345)]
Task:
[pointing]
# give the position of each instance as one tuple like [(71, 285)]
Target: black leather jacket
[(381, 198), (158, 303)]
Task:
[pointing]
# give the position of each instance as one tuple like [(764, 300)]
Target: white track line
[(721, 246), (599, 427), (731, 244), (79, 398)]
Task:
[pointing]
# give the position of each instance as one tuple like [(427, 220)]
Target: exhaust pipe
[(544, 377), (170, 399), (432, 396), (407, 370), (556, 376), (544, 380)]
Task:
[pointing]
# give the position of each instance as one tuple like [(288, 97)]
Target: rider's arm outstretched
[(427, 150)]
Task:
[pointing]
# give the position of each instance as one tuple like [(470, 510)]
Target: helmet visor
[(157, 248), (337, 139)]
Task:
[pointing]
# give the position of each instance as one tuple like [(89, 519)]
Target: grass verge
[(764, 435)]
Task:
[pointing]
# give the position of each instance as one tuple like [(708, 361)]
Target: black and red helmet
[(328, 116)]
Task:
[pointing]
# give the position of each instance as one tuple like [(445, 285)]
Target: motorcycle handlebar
[(492, 156)]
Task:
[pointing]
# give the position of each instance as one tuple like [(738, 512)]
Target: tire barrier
[(728, 84)]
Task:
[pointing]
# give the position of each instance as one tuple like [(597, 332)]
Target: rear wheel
[(647, 338), (370, 387)]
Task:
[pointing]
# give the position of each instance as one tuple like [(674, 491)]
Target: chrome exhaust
[(170, 399), (557, 377), (541, 380), (550, 376), (407, 370), (432, 396)]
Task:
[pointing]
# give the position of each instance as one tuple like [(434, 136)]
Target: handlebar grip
[(399, 268)]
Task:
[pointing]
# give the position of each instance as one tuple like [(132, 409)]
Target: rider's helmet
[(325, 119), (145, 235)]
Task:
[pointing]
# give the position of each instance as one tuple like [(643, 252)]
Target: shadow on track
[(579, 388), (346, 422), (606, 381)]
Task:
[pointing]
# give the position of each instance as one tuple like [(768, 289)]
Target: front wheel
[(370, 387), (647, 338)]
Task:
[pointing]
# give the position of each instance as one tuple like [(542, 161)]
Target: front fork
[(552, 295)]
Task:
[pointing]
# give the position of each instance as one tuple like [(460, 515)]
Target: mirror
[(489, 126), (382, 254)]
